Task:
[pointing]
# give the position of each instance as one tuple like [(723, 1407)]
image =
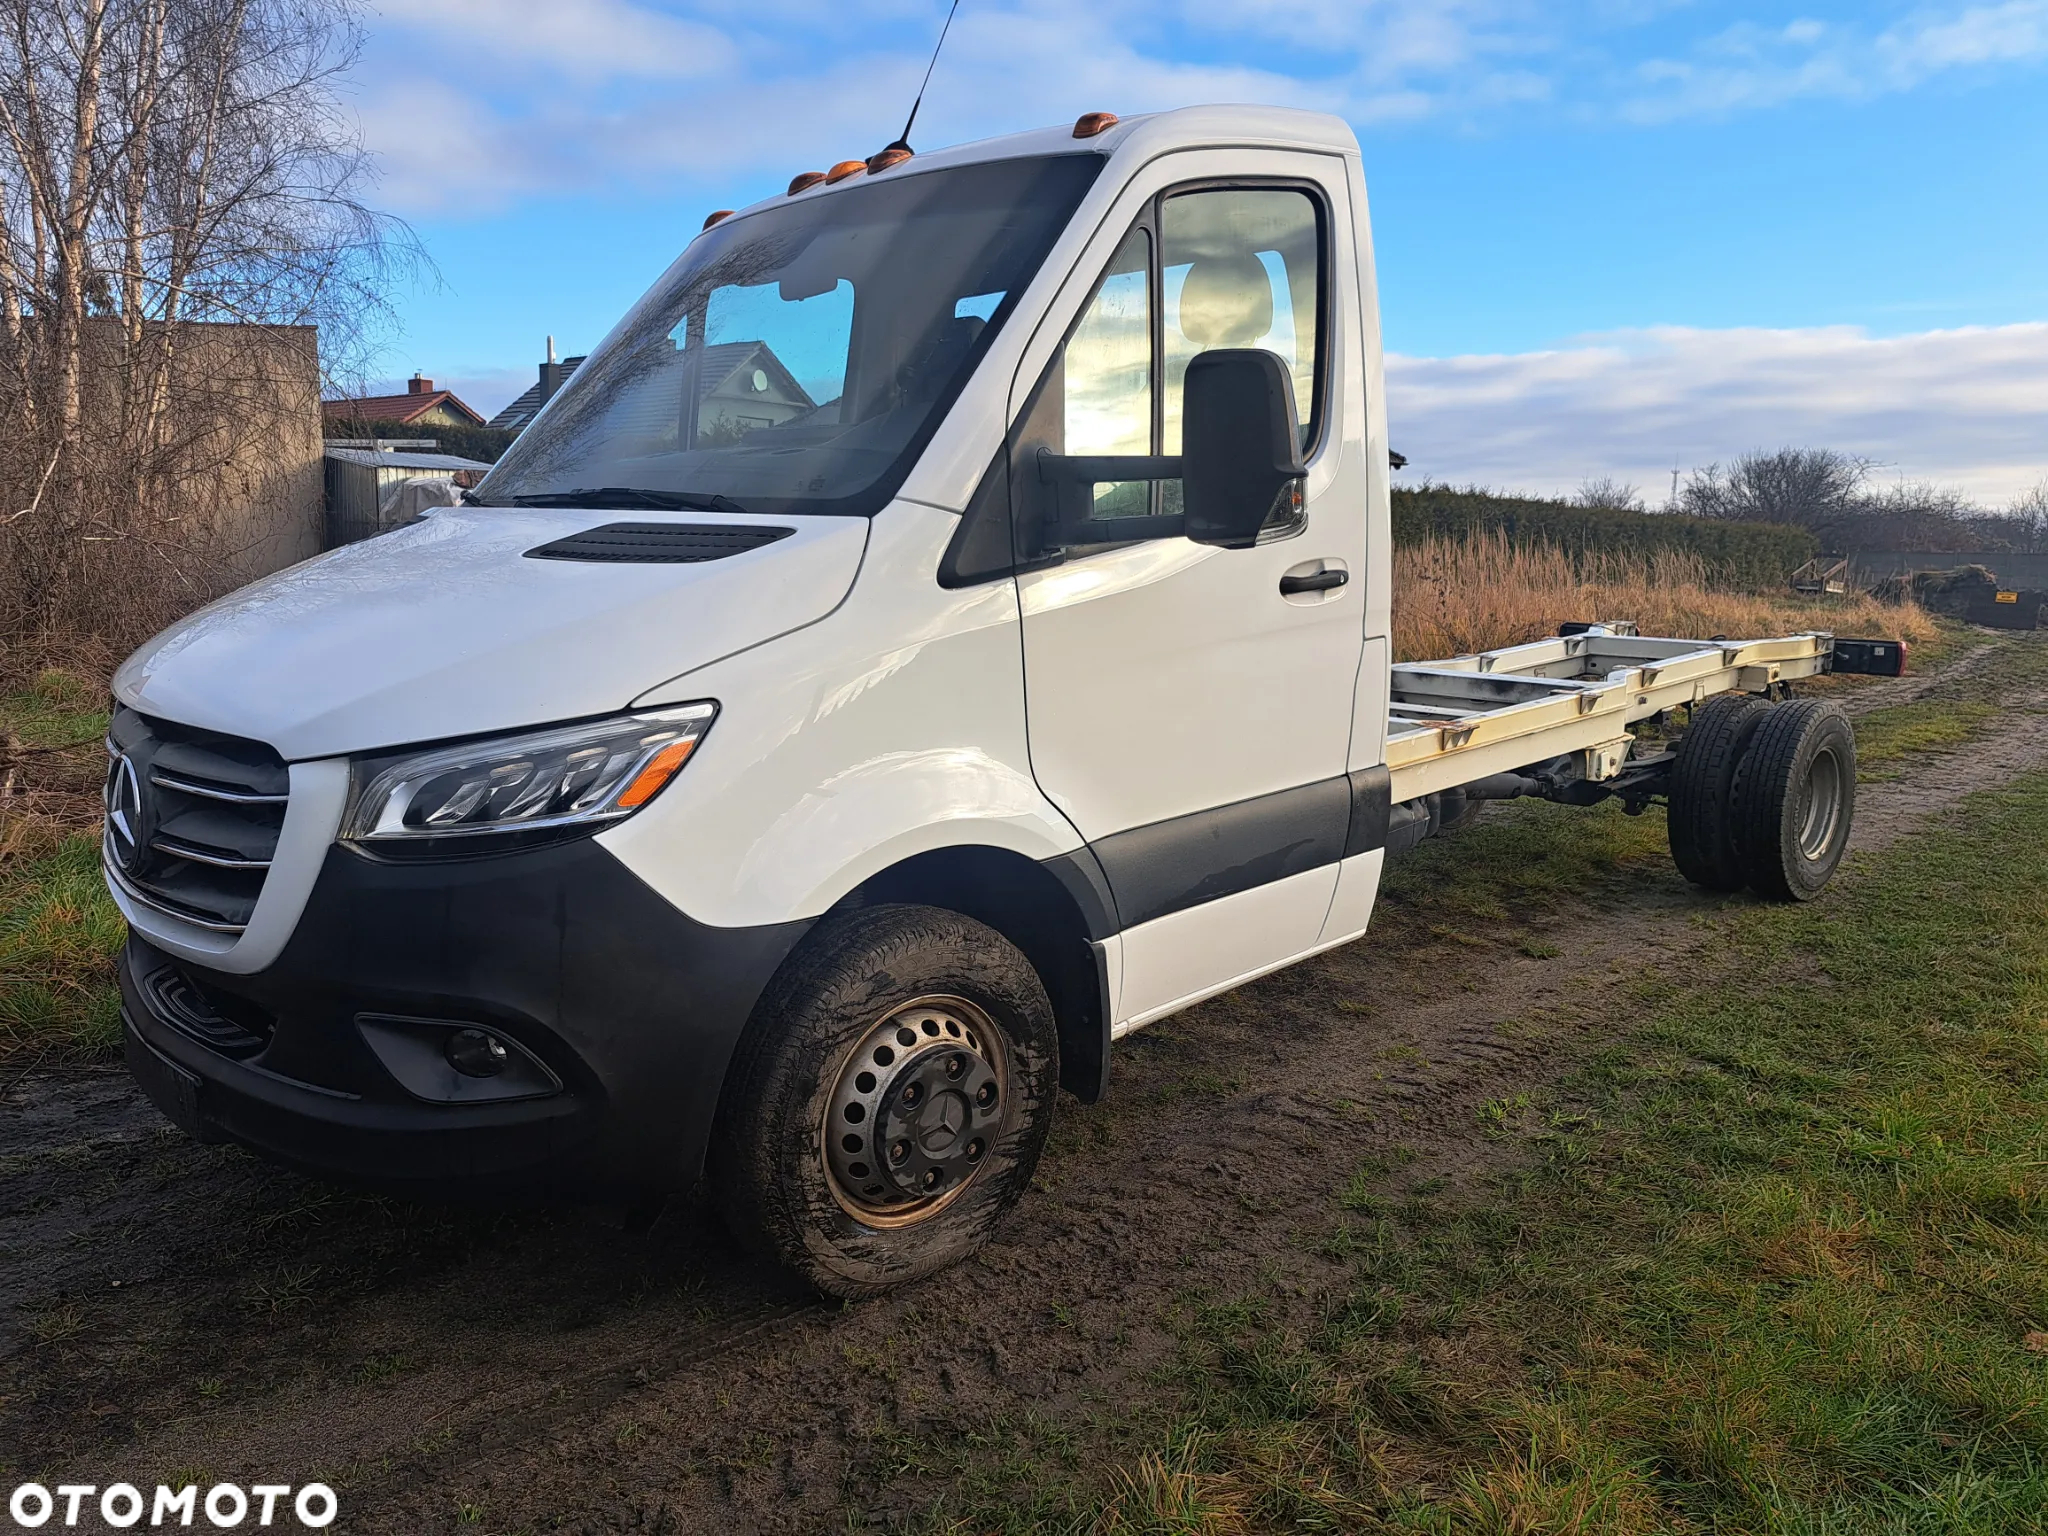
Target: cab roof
[(1146, 135)]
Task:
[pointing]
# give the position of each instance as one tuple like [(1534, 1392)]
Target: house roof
[(516, 415), (721, 362), (379, 459), (727, 358), (399, 408)]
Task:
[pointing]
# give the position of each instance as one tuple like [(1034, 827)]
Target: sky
[(1614, 237)]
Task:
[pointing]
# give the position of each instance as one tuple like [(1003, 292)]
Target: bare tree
[(1608, 492), (166, 166), (2029, 518), (1813, 487), (1831, 493)]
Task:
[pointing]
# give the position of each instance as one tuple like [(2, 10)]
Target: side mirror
[(1241, 453)]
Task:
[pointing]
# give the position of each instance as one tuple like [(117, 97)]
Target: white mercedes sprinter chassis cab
[(942, 628)]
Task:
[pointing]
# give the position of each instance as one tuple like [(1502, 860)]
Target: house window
[(767, 346)]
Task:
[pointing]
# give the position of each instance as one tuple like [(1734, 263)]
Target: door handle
[(1314, 581)]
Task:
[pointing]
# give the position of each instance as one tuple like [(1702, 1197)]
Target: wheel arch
[(1055, 911)]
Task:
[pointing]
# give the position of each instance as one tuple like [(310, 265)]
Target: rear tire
[(1700, 821), (889, 1101), (1795, 799)]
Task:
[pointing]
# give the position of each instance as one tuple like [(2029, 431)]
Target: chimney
[(553, 373), (417, 385)]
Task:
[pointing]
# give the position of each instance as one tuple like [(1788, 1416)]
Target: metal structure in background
[(363, 485), (1822, 576)]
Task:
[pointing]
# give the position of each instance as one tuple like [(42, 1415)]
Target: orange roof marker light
[(844, 169), (805, 182), (713, 217), (1089, 124), (882, 159)]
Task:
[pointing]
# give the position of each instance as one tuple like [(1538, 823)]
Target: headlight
[(546, 784)]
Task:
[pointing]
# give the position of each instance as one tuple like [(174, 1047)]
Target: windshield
[(797, 360)]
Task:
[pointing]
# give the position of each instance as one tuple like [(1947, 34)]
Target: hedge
[(1751, 555)]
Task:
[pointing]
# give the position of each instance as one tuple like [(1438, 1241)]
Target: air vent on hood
[(658, 543)]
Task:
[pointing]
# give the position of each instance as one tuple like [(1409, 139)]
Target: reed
[(1456, 596)]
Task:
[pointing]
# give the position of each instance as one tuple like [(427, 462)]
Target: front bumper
[(631, 1006)]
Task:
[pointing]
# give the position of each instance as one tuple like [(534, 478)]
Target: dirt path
[(188, 1310)]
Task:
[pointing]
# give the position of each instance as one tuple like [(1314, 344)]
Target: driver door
[(1190, 707)]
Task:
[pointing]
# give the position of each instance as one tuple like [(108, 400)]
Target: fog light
[(476, 1054)]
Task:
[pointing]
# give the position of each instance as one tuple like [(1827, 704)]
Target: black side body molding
[(1170, 866), (1372, 806)]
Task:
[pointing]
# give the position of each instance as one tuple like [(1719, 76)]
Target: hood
[(447, 628)]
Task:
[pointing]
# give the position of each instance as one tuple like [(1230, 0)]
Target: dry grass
[(1453, 597)]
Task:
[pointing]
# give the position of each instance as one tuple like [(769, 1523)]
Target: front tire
[(889, 1101)]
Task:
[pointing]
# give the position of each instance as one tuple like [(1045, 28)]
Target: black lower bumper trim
[(634, 1008)]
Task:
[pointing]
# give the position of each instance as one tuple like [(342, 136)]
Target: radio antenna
[(903, 138)]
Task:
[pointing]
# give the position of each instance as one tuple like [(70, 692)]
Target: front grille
[(193, 818), (225, 1024)]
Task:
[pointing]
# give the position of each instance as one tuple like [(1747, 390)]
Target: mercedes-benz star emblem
[(124, 812)]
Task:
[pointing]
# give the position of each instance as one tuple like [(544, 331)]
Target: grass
[(1517, 860), (59, 931), (1775, 1262), (1525, 858), (1925, 725), (1455, 596), (59, 935)]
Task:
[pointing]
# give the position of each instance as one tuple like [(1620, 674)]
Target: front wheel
[(889, 1101)]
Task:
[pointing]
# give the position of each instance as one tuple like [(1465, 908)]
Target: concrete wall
[(252, 396), (230, 471)]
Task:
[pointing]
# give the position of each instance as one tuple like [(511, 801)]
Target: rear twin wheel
[(890, 1100), (1763, 795)]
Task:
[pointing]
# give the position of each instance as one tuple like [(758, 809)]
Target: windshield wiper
[(603, 496)]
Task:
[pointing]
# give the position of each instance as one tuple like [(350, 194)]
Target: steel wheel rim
[(1823, 814), (889, 1091)]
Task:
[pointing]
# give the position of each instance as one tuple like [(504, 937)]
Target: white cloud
[(1004, 69), (576, 94), (1966, 407), (1748, 67), (584, 39)]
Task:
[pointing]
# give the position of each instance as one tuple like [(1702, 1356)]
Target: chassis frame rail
[(1461, 720)]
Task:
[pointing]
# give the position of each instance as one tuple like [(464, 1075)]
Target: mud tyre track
[(554, 1367)]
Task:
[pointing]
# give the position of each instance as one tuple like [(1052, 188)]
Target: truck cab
[(942, 628)]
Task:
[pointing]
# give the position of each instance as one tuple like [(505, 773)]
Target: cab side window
[(1226, 267), (1107, 404), (1241, 267)]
